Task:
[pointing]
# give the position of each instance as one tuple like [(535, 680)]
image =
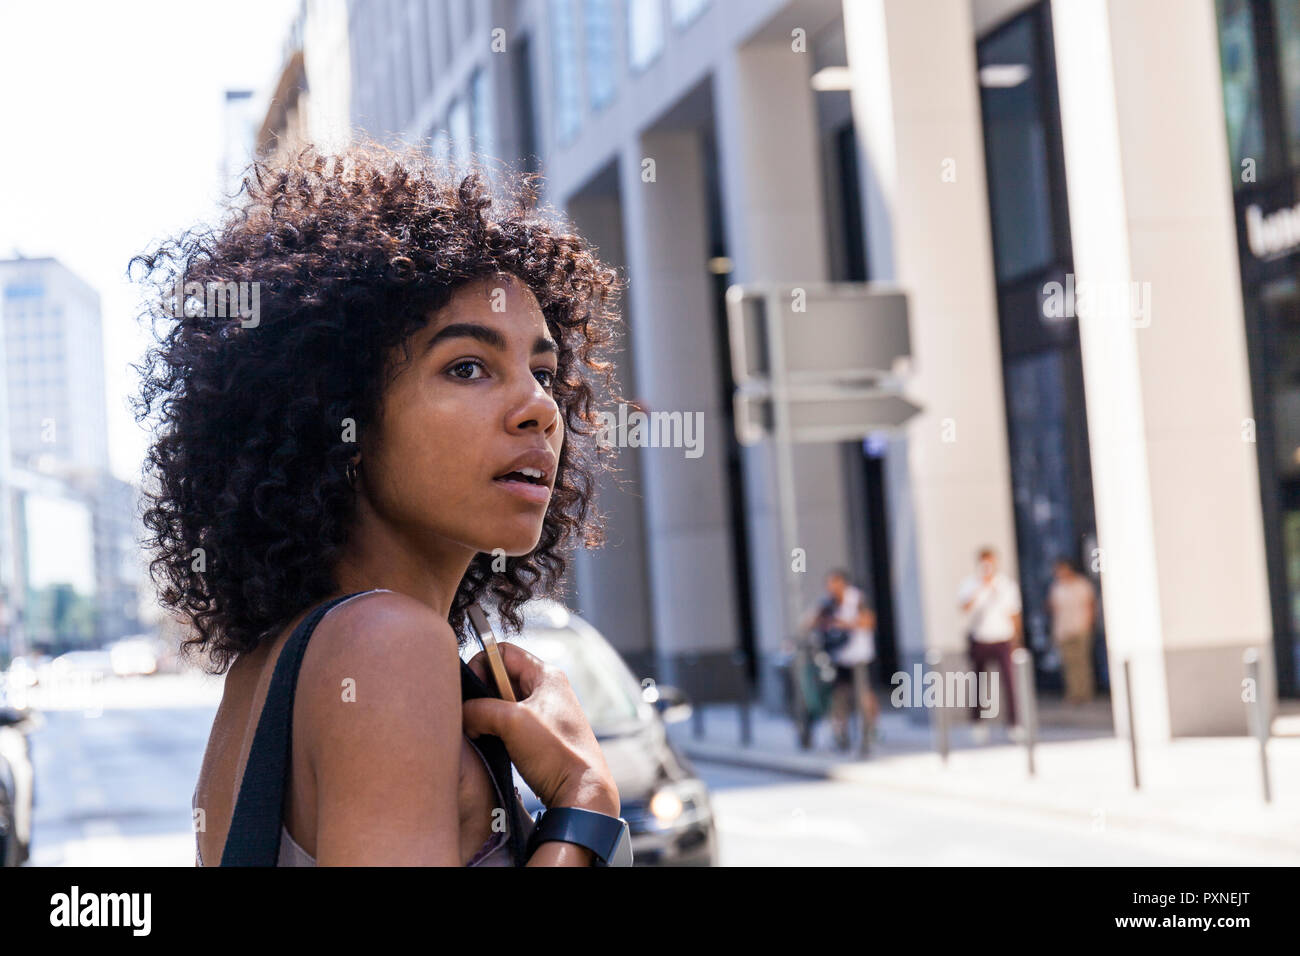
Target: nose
[(537, 412)]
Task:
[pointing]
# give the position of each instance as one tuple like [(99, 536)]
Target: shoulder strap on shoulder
[(254, 836), (494, 752)]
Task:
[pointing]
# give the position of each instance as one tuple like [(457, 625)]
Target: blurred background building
[(988, 161), (70, 565)]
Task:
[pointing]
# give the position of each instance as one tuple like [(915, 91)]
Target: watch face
[(623, 851)]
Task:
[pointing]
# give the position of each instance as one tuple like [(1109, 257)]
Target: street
[(114, 789)]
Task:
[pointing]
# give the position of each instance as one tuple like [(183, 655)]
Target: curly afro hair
[(247, 499)]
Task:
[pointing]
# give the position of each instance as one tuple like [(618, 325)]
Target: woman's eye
[(467, 364), (549, 380)]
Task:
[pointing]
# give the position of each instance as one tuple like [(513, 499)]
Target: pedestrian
[(991, 601), (1073, 603), (845, 627)]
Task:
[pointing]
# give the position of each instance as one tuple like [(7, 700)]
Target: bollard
[(932, 660), (860, 688), (803, 719), (1259, 723), (697, 711), (1132, 728), (744, 704), (1022, 664)]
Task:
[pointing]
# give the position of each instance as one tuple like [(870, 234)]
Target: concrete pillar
[(674, 348), (612, 582), (1176, 486), (774, 221), (917, 114)]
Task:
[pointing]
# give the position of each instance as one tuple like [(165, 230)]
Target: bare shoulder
[(381, 696), (387, 653), (375, 627)]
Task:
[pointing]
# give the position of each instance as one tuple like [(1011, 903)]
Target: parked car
[(664, 801), (17, 785), (134, 657)]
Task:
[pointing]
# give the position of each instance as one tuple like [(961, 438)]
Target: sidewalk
[(1209, 787)]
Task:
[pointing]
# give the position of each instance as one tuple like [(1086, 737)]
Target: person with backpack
[(844, 627)]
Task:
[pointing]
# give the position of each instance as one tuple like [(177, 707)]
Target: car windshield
[(609, 694)]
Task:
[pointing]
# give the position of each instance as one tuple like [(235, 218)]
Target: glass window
[(1287, 14), (458, 127), (481, 115), (1015, 142), (685, 11), (645, 31), (1040, 478), (564, 70), (526, 112), (1241, 96), (598, 35)]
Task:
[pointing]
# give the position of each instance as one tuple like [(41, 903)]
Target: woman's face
[(475, 399)]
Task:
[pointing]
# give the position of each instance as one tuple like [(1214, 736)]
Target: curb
[(815, 767)]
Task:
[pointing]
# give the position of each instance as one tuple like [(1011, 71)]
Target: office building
[(1056, 185)]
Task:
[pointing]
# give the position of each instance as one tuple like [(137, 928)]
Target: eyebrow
[(487, 336)]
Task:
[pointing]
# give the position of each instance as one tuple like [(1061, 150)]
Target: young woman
[(403, 428)]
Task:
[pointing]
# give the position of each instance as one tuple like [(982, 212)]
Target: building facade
[(54, 364), (55, 449), (1100, 305)]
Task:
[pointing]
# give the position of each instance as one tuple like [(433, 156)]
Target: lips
[(534, 467), (529, 477)]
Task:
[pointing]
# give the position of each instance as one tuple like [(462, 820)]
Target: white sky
[(111, 130)]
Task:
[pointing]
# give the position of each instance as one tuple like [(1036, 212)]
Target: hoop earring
[(352, 473)]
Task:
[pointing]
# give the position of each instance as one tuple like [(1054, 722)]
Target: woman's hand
[(546, 733)]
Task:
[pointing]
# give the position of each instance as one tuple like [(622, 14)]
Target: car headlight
[(673, 800)]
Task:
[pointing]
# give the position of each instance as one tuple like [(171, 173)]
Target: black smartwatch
[(605, 836)]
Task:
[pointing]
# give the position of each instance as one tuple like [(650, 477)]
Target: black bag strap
[(494, 752), (255, 825)]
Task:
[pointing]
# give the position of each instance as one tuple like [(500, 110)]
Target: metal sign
[(846, 332), (826, 352), (821, 414)]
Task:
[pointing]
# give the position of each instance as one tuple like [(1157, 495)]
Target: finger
[(485, 715)]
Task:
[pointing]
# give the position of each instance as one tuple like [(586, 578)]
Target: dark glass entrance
[(1047, 428)]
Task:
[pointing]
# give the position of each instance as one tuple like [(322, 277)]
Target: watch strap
[(605, 836)]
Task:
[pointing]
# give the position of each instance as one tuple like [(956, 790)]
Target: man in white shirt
[(991, 602), (1073, 603), (849, 623)]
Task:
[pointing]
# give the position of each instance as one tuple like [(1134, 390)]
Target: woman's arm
[(384, 704)]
